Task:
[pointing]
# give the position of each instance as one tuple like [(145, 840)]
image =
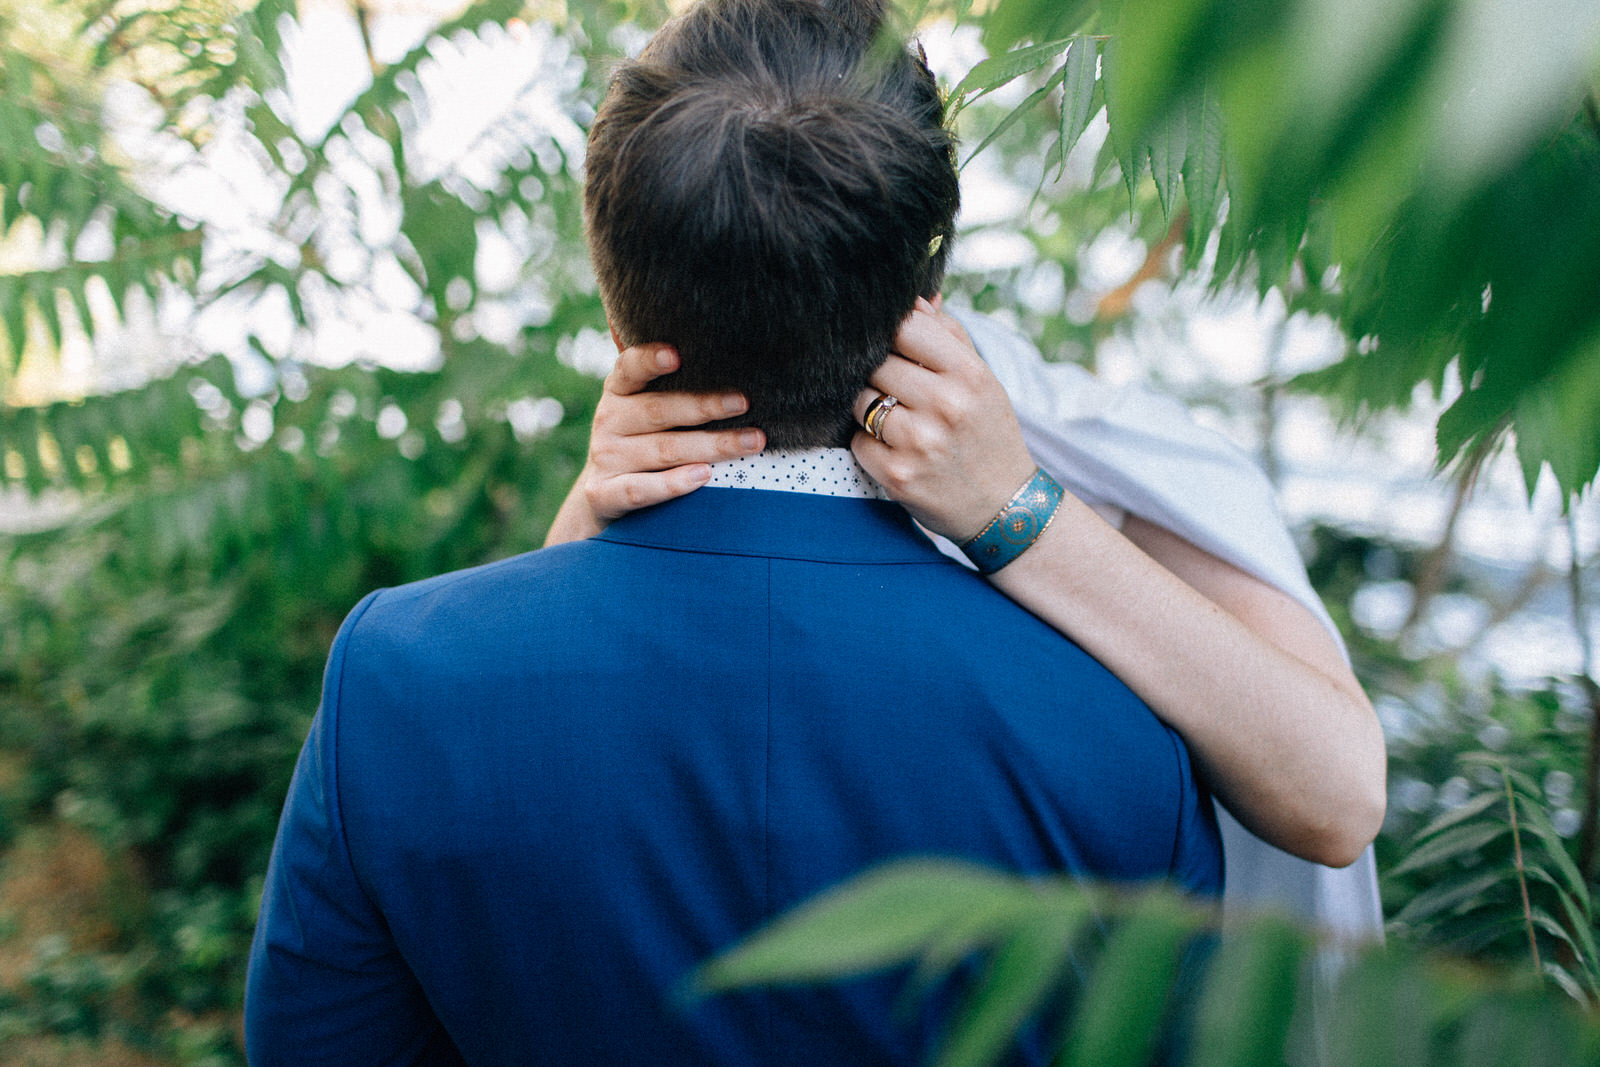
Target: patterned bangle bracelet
[(1018, 525)]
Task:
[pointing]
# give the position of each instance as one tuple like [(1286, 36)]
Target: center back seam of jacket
[(766, 798)]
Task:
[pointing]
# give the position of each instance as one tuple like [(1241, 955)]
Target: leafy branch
[(1463, 236), (1101, 974), (1495, 869)]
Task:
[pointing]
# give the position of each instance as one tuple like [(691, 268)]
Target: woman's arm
[(1251, 680), (1248, 676), (637, 456)]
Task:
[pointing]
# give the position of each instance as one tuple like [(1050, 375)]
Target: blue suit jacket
[(537, 792)]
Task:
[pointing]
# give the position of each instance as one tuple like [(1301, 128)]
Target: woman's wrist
[(576, 519), (1017, 525)]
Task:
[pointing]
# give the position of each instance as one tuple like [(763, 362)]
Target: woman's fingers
[(636, 367), (867, 397), (950, 450), (639, 453), (912, 384), (932, 361), (617, 455), (612, 498), (628, 473), (625, 409), (934, 340), (953, 327), (634, 414)]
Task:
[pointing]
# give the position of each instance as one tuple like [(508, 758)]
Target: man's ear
[(614, 338)]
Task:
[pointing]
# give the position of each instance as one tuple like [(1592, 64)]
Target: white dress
[(1124, 449)]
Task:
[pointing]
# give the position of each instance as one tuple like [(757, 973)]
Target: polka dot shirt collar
[(821, 471)]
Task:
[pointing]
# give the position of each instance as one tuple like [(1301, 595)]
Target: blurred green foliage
[(1428, 170), (1457, 871), (162, 650), (1102, 977)]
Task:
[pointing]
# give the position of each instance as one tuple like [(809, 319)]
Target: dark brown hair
[(764, 184)]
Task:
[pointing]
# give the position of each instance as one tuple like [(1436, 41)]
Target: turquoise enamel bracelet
[(1018, 525)]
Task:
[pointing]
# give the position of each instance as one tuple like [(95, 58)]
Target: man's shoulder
[(481, 578), (464, 607)]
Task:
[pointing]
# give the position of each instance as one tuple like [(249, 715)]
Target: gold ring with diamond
[(877, 411)]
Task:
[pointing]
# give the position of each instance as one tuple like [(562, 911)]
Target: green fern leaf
[(1003, 69), (1470, 809), (1450, 895), (1452, 844), (1077, 92)]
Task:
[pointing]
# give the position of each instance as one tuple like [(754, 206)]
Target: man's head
[(770, 188)]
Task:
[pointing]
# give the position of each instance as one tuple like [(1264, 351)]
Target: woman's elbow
[(1352, 825), (1354, 814)]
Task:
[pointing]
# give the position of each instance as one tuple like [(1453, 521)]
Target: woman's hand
[(952, 452), (638, 453)]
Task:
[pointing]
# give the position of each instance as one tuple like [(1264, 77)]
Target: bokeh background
[(296, 305)]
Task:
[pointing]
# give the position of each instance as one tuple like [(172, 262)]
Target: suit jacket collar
[(753, 522)]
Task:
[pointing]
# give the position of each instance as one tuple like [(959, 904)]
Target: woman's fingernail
[(733, 403), (666, 359), (750, 440)]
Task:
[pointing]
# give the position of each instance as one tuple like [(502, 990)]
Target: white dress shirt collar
[(822, 471)]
